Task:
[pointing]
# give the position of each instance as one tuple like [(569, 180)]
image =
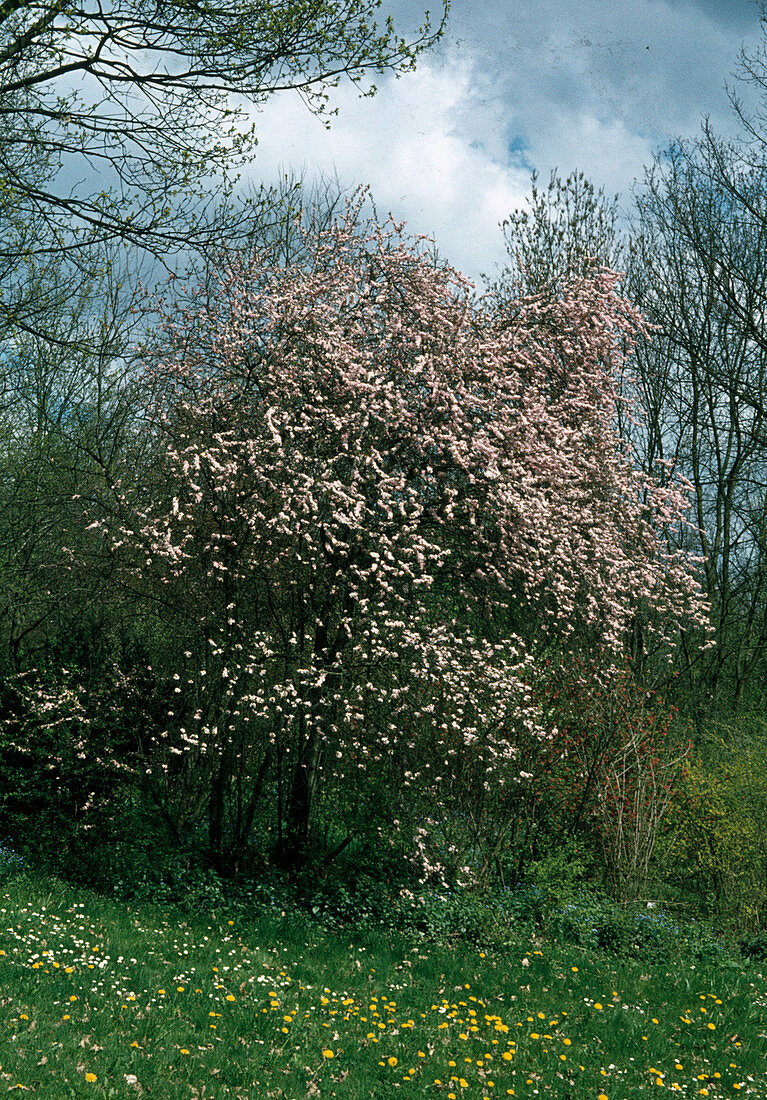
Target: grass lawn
[(104, 1000)]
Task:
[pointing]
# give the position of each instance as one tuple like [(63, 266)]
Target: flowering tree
[(369, 485)]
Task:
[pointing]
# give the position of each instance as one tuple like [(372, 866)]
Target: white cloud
[(429, 145), (563, 83)]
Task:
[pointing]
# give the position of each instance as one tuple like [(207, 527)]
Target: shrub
[(10, 862), (715, 841)]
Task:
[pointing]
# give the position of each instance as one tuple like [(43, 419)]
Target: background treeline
[(654, 781)]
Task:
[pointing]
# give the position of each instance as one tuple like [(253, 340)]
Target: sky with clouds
[(594, 85)]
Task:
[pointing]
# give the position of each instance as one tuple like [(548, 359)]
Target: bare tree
[(699, 274), (567, 229)]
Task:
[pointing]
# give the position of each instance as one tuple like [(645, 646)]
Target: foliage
[(10, 861), (159, 109), (63, 762), (598, 790), (599, 922), (715, 844), (620, 761)]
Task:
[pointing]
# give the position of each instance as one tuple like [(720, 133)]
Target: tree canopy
[(374, 497), (114, 116)]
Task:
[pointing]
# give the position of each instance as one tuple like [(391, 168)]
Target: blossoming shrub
[(371, 500)]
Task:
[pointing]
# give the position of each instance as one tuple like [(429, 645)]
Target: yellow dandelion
[(328, 1053), (90, 1077), (392, 1061)]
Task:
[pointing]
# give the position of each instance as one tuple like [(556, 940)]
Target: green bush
[(598, 922), (714, 844), (11, 863)]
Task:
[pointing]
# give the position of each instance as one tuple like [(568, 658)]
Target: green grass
[(100, 999)]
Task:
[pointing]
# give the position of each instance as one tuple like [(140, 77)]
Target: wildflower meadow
[(105, 1000)]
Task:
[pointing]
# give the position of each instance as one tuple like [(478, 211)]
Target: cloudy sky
[(594, 85)]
